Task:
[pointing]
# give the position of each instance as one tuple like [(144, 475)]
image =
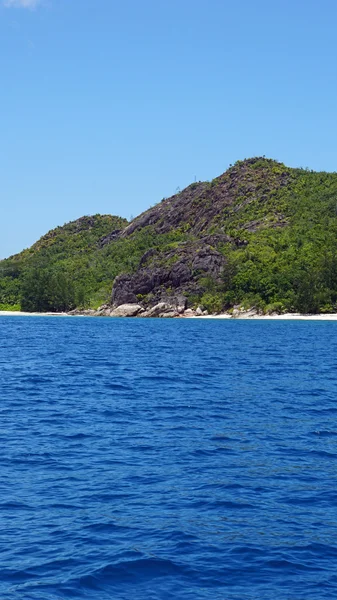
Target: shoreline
[(18, 313), (243, 316), (284, 317)]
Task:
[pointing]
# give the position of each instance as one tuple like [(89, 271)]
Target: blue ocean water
[(167, 459)]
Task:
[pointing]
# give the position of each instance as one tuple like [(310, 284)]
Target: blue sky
[(108, 106)]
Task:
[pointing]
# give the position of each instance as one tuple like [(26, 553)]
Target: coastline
[(243, 316), (18, 313), (284, 317)]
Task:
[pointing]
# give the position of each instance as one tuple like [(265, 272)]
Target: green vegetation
[(59, 271), (283, 223), (69, 268), (10, 307), (293, 266)]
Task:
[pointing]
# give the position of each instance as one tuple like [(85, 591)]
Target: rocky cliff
[(204, 212)]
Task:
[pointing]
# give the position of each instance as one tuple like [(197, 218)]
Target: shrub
[(212, 302)]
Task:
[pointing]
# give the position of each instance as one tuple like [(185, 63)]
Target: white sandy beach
[(243, 316), (285, 317)]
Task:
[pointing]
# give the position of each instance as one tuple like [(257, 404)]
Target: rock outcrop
[(202, 206), (171, 276)]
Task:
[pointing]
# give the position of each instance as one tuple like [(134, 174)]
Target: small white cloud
[(21, 3)]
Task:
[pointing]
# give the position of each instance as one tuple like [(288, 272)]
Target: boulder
[(103, 311), (250, 313), (189, 313), (179, 302), (160, 310), (126, 310), (241, 313)]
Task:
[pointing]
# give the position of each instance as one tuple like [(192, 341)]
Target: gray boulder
[(126, 310), (161, 310)]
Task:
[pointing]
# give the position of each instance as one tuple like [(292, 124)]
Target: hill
[(261, 234), (60, 270)]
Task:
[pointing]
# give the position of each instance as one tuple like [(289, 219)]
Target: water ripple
[(167, 459)]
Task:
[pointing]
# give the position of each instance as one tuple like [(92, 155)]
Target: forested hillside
[(61, 270), (261, 234)]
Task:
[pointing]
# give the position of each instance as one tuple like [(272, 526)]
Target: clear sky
[(107, 106)]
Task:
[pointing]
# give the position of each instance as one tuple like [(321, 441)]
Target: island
[(259, 239)]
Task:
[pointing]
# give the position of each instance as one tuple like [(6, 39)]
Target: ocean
[(167, 459)]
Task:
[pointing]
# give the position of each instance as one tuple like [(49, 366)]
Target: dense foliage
[(69, 267), (285, 218), (293, 266), (59, 272)]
